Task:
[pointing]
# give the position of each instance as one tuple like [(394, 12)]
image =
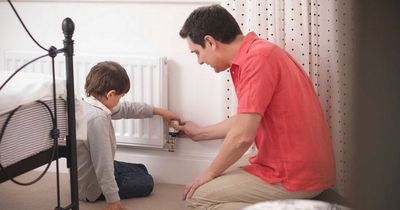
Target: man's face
[(207, 55)]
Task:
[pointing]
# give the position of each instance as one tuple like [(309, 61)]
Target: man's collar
[(244, 47)]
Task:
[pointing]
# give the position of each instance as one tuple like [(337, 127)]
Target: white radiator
[(148, 77)]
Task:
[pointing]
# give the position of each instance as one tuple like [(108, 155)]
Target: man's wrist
[(212, 173)]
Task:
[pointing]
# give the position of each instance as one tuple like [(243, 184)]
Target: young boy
[(99, 175)]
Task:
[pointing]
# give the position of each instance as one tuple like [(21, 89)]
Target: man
[(278, 110)]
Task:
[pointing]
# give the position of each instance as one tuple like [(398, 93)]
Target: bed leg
[(68, 28)]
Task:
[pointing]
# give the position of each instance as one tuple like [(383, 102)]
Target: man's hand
[(196, 183), (115, 206), (189, 129)]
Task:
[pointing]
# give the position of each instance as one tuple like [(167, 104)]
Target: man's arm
[(237, 141), (216, 131)]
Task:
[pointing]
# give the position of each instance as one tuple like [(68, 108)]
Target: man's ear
[(209, 40), (111, 93)]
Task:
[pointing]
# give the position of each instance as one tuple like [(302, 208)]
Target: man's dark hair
[(106, 76), (213, 20)]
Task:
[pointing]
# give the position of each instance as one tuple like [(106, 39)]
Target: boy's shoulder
[(93, 112)]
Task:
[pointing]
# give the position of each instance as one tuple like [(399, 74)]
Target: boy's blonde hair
[(106, 76)]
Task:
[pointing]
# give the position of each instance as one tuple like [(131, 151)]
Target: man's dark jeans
[(133, 180)]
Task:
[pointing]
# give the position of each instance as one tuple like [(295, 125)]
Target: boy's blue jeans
[(133, 180)]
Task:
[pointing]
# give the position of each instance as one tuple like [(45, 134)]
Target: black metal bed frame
[(67, 151)]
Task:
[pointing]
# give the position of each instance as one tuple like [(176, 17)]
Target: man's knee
[(195, 204), (200, 200)]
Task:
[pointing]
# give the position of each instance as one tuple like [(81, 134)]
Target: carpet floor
[(43, 195)]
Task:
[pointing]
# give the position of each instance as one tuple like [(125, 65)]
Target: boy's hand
[(115, 206), (167, 115)]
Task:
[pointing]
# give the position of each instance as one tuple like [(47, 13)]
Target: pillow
[(295, 204)]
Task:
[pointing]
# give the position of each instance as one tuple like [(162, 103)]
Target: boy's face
[(112, 99)]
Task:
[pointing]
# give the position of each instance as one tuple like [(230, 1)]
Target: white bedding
[(296, 204), (25, 88)]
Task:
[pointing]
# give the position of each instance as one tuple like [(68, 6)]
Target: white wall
[(133, 27)]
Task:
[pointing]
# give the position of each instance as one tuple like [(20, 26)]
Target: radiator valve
[(172, 134)]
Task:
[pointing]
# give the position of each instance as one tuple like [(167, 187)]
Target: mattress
[(28, 131), (28, 87)]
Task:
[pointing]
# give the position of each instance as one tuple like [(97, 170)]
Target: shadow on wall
[(376, 174)]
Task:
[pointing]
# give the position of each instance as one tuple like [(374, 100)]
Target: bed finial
[(68, 27)]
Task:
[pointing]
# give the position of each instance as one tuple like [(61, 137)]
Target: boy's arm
[(166, 114), (114, 206), (141, 110), (100, 150), (125, 110)]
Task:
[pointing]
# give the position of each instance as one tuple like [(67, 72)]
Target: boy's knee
[(148, 185), (138, 187)]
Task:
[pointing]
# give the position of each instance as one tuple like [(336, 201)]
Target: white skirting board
[(165, 167)]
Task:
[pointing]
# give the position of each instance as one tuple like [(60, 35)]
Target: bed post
[(68, 28)]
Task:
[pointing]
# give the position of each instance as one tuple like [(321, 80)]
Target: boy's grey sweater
[(96, 155)]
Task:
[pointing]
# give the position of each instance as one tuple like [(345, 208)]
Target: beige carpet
[(43, 195)]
